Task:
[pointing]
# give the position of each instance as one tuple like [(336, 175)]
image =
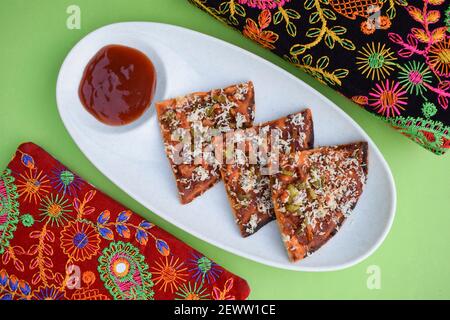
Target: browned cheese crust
[(315, 192), (222, 110), (248, 189)]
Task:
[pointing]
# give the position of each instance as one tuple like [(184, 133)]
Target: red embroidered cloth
[(61, 238)]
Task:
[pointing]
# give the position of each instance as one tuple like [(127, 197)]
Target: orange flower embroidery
[(80, 241), (256, 32), (224, 294), (33, 185), (169, 274), (438, 57)]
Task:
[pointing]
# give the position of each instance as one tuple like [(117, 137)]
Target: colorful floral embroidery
[(388, 98), (438, 57), (255, 30), (122, 227), (80, 240), (203, 269), (73, 242), (9, 209), (192, 292), (415, 77), (124, 272), (392, 57), (65, 181), (375, 61), (33, 185), (12, 288), (48, 293), (169, 273), (55, 210)]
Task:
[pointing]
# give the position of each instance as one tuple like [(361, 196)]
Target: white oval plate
[(133, 156)]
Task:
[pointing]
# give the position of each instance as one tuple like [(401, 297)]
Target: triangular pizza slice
[(247, 182), (314, 193), (188, 125)]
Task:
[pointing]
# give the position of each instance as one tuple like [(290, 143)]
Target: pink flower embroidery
[(388, 98), (264, 4)]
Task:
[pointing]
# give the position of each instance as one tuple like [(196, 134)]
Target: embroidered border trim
[(11, 205)]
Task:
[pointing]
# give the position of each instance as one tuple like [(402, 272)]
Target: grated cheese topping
[(252, 224), (331, 188), (192, 121)]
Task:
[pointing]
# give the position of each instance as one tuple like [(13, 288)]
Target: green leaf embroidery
[(291, 29), (323, 62), (239, 9), (224, 7), (341, 73), (277, 17), (314, 18), (297, 49), (307, 60), (347, 44), (329, 41), (309, 4), (313, 32), (338, 30), (293, 14), (329, 14)]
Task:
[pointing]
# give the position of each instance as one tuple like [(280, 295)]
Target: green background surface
[(414, 259)]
